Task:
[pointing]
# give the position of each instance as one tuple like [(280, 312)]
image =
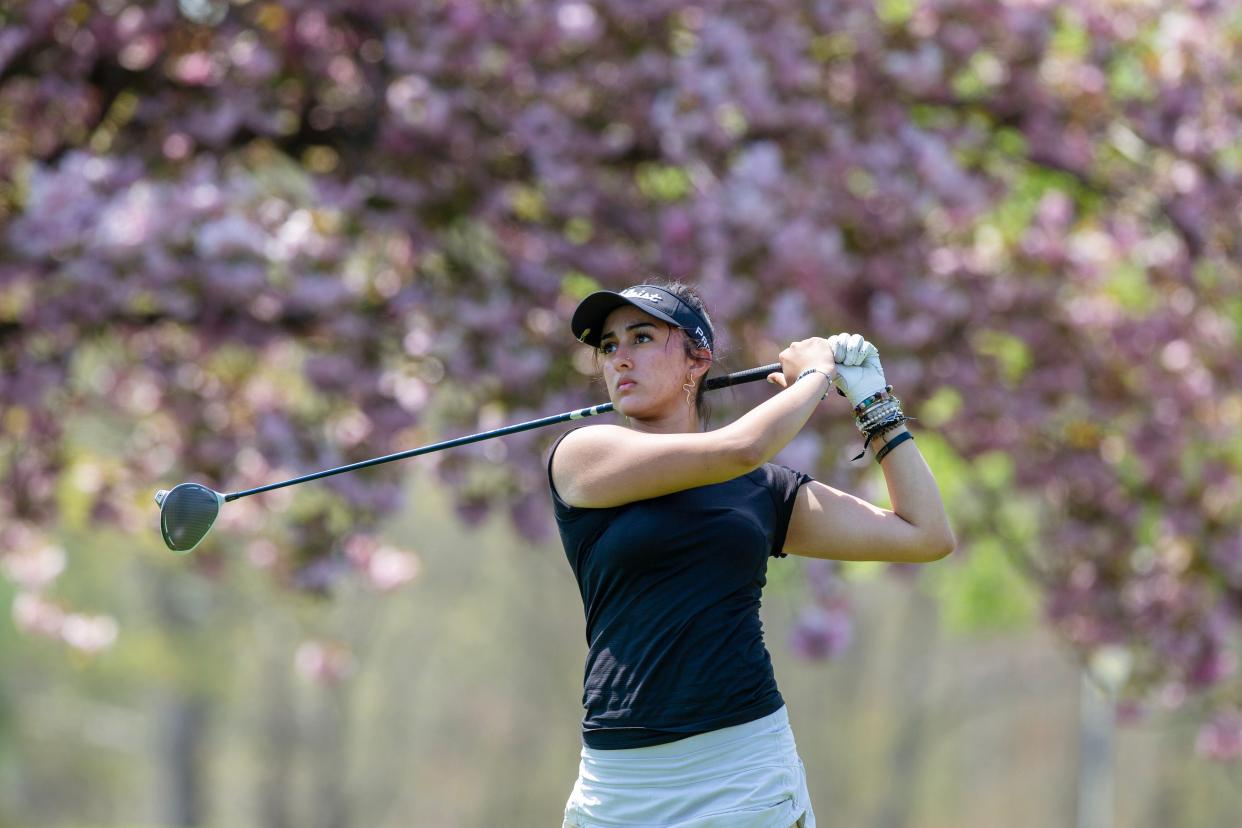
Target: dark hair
[(690, 295)]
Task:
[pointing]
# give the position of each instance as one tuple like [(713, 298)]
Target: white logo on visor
[(642, 294)]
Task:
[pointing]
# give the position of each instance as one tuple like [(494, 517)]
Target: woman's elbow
[(744, 451), (940, 546)]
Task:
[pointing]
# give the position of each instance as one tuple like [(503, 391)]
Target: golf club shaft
[(749, 375)]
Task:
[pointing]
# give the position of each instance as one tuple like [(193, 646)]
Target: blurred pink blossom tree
[(269, 237)]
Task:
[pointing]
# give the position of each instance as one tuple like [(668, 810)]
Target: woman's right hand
[(815, 352)]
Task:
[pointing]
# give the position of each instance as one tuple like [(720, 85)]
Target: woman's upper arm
[(829, 523), (599, 466)]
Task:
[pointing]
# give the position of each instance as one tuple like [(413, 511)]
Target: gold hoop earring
[(689, 386)]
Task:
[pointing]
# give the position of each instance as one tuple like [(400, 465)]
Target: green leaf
[(979, 76), (1070, 39), (952, 472), (578, 285), (994, 469), (527, 203), (862, 570), (1129, 285), (1128, 79), (860, 183), (1011, 353), (661, 182), (829, 47), (940, 407), (983, 592), (895, 12), (1011, 141), (579, 230)]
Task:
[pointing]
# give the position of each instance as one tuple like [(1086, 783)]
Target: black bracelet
[(892, 444)]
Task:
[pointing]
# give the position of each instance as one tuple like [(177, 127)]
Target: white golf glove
[(859, 373)]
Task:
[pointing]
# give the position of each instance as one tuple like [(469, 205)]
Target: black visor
[(588, 320)]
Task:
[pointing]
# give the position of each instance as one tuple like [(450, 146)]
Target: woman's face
[(644, 363)]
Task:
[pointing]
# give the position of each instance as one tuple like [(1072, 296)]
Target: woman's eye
[(609, 347)]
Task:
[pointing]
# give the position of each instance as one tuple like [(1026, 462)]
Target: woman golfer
[(668, 529)]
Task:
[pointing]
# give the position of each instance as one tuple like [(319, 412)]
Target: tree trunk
[(920, 632), (278, 740), (329, 758), (183, 724), (183, 713), (1095, 758)]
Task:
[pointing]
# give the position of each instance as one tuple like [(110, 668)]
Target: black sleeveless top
[(671, 587)]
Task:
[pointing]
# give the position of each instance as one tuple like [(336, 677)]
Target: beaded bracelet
[(831, 384), (873, 403), (876, 414), (886, 391)]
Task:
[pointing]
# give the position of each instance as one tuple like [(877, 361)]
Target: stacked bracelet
[(818, 371), (878, 414)]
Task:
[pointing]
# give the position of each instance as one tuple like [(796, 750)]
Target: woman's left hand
[(859, 373)]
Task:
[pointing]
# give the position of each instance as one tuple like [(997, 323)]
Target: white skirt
[(745, 776)]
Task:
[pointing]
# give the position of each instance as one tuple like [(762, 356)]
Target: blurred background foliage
[(245, 240)]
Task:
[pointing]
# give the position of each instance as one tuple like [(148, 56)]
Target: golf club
[(188, 510)]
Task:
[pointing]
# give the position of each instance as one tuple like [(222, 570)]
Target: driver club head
[(187, 512)]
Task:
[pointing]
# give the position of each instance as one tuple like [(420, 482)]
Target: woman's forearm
[(913, 492), (768, 427)]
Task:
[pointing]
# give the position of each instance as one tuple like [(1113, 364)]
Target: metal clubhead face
[(186, 514)]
